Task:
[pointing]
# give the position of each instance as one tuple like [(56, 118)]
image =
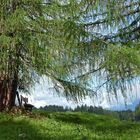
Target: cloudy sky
[(41, 95)]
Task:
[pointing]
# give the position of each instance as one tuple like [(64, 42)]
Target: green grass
[(66, 126)]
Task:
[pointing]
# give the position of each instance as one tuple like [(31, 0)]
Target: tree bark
[(7, 94)]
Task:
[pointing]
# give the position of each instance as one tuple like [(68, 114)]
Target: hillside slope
[(66, 126)]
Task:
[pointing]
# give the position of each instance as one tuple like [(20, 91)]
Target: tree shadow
[(24, 129), (103, 124), (80, 118), (19, 130)]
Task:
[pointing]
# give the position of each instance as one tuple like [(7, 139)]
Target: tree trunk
[(8, 86), (7, 94)]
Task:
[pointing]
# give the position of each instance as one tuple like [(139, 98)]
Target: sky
[(42, 95)]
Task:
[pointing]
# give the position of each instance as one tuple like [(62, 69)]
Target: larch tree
[(71, 42)]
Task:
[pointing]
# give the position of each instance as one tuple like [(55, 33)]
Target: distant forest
[(121, 115)]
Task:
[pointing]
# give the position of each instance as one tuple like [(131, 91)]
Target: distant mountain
[(125, 107)]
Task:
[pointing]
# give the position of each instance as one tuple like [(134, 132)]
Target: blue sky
[(41, 95)]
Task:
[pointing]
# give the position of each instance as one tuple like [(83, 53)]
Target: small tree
[(137, 112)]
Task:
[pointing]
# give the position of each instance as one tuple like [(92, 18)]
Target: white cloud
[(42, 95)]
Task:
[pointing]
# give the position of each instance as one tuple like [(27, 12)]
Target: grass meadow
[(43, 125)]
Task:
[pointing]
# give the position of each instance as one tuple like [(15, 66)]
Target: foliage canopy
[(71, 42)]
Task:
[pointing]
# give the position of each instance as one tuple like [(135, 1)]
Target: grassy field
[(66, 126)]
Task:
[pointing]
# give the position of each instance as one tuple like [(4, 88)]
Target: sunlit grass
[(66, 126)]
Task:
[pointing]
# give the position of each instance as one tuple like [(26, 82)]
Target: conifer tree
[(70, 42)]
